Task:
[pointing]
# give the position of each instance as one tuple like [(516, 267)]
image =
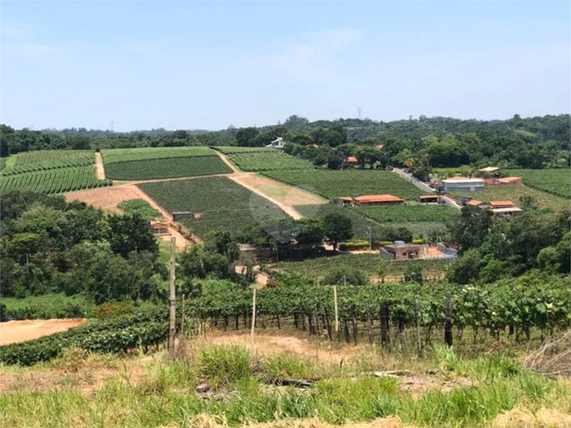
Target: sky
[(208, 65)]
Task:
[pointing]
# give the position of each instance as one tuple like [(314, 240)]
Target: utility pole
[(172, 297), (370, 239)]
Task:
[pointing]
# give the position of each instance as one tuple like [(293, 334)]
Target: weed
[(224, 364)]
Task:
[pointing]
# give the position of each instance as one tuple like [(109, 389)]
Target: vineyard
[(555, 181), (264, 159), (409, 213), (217, 202), (47, 159), (517, 193), (52, 181), (150, 153), (333, 184), (149, 169)]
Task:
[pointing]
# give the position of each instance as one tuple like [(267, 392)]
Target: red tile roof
[(428, 196), (458, 178), (496, 204), (378, 198), (352, 159), (474, 202)]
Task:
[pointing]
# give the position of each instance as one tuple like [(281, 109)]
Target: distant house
[(401, 251), (160, 228), (278, 143), (345, 201), (507, 212), (489, 171), (463, 184), (378, 200), (429, 199), (476, 203), (509, 181), (351, 159), (501, 204)]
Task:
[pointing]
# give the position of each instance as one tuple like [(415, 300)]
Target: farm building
[(507, 212), (345, 201), (160, 228), (402, 251), (181, 214), (476, 203), (509, 181), (463, 184), (278, 143), (490, 171), (501, 204), (352, 159), (378, 200), (429, 199)]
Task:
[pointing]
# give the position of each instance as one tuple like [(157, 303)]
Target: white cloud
[(312, 58)]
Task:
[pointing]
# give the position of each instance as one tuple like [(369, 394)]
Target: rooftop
[(352, 159), (507, 210), (378, 198), (489, 169), (501, 204), (475, 202), (463, 179)]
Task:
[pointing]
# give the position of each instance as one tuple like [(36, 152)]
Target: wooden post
[(369, 322), (172, 296), (182, 318), (448, 323), (253, 312), (354, 319), (336, 308), (417, 319)]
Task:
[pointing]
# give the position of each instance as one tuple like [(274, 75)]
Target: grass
[(139, 207), (149, 153), (162, 394), (514, 193), (353, 182), (148, 169), (554, 181), (220, 204), (48, 306), (409, 213)]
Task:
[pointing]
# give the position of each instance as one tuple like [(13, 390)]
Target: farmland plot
[(42, 160), (264, 159), (554, 181), (148, 169), (146, 153), (218, 204), (409, 213), (332, 184)]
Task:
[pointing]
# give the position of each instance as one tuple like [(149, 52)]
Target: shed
[(429, 199), (177, 215), (509, 181), (501, 204), (506, 212), (378, 200), (344, 201), (160, 228), (401, 251)]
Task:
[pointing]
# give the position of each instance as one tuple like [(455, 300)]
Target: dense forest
[(418, 143)]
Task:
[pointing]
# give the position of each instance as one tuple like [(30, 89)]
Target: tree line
[(416, 143)]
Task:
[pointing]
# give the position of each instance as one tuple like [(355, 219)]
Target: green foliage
[(263, 159), (337, 227), (346, 276), (409, 213), (152, 153), (47, 306), (166, 168), (225, 364), (555, 181), (43, 160), (53, 181), (139, 207), (333, 184)]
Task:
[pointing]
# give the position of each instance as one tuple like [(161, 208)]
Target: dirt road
[(99, 169), (21, 331)]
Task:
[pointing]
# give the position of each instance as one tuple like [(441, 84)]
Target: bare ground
[(21, 331), (99, 169)]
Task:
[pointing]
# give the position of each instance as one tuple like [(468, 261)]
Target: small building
[(352, 159), (514, 181), (345, 201), (160, 228), (500, 204), (507, 212), (177, 215), (402, 251), (463, 184), (476, 203), (278, 143), (429, 199), (378, 200), (490, 171)]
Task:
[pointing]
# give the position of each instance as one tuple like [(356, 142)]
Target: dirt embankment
[(21, 331)]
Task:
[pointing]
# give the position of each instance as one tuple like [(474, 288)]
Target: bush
[(349, 276), (418, 241)]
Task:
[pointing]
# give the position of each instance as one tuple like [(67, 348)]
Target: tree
[(466, 269), (470, 230), (128, 233), (245, 136), (336, 228), (311, 232)]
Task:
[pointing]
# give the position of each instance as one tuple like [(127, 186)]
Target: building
[(378, 200), (477, 203), (160, 228), (463, 184), (352, 159), (177, 215), (490, 171), (278, 143), (345, 201), (514, 181), (429, 199), (501, 204), (506, 212), (401, 251)]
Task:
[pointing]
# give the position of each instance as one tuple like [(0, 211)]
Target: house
[(401, 251), (352, 159), (429, 199), (476, 203), (345, 201), (514, 181), (378, 200), (490, 171), (278, 143), (160, 228), (506, 212), (501, 204), (463, 184)]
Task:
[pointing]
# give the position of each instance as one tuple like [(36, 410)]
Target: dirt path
[(99, 169), (21, 331), (227, 161)]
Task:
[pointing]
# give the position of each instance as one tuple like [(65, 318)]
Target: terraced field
[(554, 181), (146, 153), (264, 159), (217, 202), (332, 184), (42, 160), (409, 213), (149, 169)]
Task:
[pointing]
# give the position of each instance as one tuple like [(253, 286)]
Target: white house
[(463, 184), (278, 143)]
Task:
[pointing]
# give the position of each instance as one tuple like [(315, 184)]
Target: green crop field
[(267, 160), (166, 168), (332, 184), (220, 203), (555, 181), (514, 193), (52, 181), (409, 213), (126, 155), (42, 160)]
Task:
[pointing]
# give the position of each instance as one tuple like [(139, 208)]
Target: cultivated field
[(264, 159), (555, 181), (150, 153), (52, 181), (217, 203), (514, 193), (409, 213), (150, 169), (47, 159), (333, 184)]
